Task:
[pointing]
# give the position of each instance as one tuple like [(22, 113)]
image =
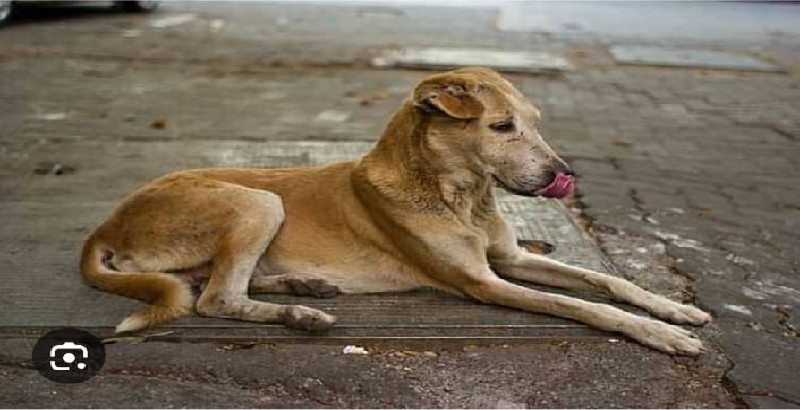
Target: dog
[(418, 210)]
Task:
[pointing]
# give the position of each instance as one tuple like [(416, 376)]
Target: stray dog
[(418, 210)]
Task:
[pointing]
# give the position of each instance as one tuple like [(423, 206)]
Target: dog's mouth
[(561, 186)]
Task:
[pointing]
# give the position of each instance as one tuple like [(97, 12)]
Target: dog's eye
[(505, 126)]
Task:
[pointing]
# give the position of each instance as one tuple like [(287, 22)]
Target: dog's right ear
[(453, 100)]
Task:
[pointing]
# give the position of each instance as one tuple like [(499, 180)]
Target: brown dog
[(418, 210)]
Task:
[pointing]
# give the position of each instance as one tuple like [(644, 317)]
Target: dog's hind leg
[(176, 232), (246, 239)]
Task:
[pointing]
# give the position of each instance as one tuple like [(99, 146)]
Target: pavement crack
[(182, 376), (728, 383), (639, 206), (780, 131), (614, 163), (17, 364), (784, 320), (240, 67)]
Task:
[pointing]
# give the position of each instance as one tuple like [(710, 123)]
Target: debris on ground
[(536, 246), (171, 21), (350, 349), (216, 25), (52, 116), (373, 98), (135, 339), (235, 346), (52, 168), (332, 116), (159, 123)]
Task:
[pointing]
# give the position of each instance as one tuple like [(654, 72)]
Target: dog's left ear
[(453, 100)]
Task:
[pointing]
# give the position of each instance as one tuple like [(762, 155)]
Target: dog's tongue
[(561, 186)]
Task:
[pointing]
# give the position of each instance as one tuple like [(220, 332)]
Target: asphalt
[(563, 374), (687, 184)]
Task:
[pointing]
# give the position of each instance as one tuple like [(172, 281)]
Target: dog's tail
[(168, 297)]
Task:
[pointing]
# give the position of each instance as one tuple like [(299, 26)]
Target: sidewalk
[(688, 179)]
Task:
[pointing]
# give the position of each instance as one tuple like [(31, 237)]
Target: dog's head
[(480, 120)]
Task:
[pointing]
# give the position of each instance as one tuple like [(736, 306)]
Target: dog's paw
[(306, 318), (665, 337), (683, 314), (312, 287)]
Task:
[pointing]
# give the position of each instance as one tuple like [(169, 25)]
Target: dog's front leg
[(458, 260), (509, 260), (653, 333), (546, 271)]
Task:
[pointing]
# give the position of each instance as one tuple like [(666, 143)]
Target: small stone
[(159, 123), (755, 326), (651, 220)]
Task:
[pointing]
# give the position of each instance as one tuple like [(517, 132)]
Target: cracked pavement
[(688, 182)]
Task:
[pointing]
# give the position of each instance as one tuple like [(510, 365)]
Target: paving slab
[(443, 58), (658, 23), (686, 57), (46, 216)]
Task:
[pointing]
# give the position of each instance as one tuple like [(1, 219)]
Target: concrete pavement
[(688, 183)]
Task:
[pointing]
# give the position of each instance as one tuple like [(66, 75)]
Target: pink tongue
[(561, 186)]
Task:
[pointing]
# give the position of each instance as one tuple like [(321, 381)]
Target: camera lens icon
[(64, 356), (69, 355)]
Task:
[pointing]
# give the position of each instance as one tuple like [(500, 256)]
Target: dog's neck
[(404, 168)]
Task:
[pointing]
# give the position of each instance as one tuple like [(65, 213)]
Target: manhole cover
[(441, 58), (640, 55)]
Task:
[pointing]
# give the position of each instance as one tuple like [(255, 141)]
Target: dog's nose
[(561, 167)]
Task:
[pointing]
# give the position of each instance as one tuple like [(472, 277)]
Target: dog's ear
[(453, 100)]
